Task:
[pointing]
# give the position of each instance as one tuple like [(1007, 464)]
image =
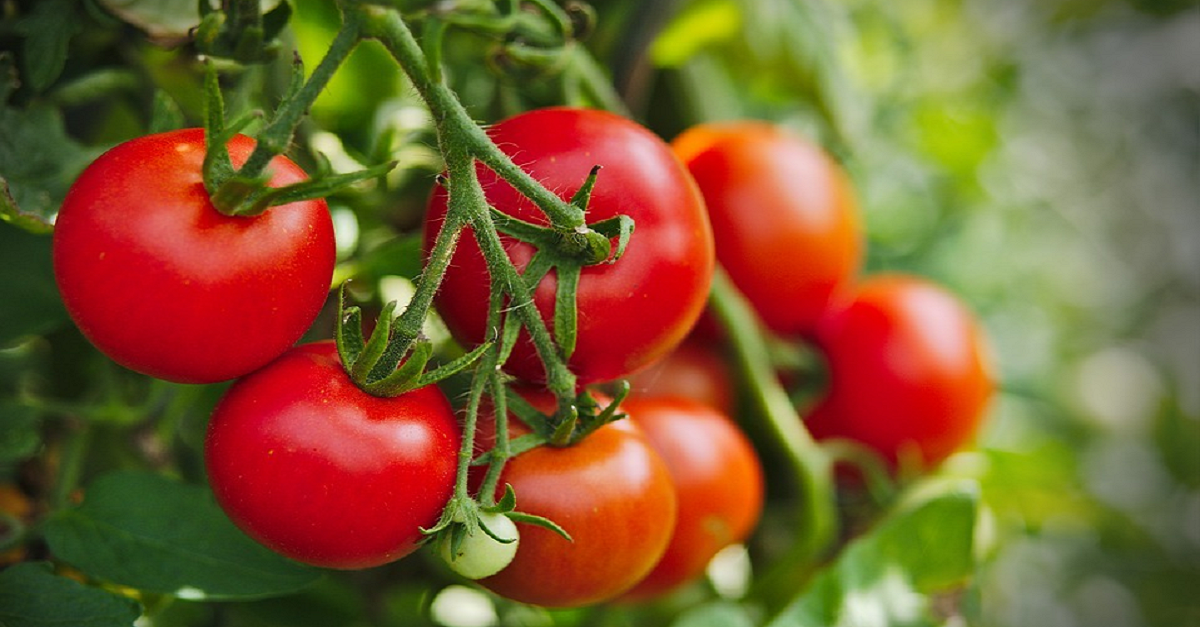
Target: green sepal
[(540, 521), (620, 227), (506, 504), (584, 194), (566, 317), (409, 375), (375, 346), (347, 331), (316, 187), (217, 165), (527, 414), (516, 446)]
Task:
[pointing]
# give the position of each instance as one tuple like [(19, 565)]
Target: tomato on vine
[(784, 215), (610, 491), (311, 466), (718, 481), (908, 370), (163, 283), (630, 312)]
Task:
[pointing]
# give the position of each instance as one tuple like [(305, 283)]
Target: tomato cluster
[(906, 364), (307, 462)]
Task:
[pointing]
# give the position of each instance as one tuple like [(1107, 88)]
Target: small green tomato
[(480, 555)]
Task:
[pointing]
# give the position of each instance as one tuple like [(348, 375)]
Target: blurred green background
[(1043, 159)]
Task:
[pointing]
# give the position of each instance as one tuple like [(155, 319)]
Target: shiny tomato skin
[(314, 468), (611, 492), (908, 370), (630, 312), (718, 480), (695, 370), (785, 218), (160, 281)]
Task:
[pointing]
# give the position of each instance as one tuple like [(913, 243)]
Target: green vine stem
[(811, 465), (462, 141), (275, 137)]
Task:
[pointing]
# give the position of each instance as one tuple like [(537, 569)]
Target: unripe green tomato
[(480, 555)]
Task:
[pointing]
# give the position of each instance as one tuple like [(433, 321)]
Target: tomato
[(314, 468), (480, 554), (695, 370), (908, 370), (784, 215), (718, 481), (164, 284), (611, 492), (630, 312)]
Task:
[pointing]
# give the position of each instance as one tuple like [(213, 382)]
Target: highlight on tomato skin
[(785, 216), (611, 492), (718, 480), (909, 370), (311, 466)]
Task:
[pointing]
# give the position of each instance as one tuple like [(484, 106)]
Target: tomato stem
[(462, 141), (274, 139), (811, 465)]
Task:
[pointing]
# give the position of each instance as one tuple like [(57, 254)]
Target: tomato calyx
[(566, 427), (245, 191), (388, 363), (566, 250)]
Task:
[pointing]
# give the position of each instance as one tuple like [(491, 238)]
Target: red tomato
[(907, 370), (694, 370), (784, 217), (718, 481), (166, 285), (311, 466), (630, 312), (611, 492)]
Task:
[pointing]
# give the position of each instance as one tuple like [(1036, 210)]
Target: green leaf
[(30, 304), (149, 532), (885, 577), (38, 163), (31, 595), (48, 29)]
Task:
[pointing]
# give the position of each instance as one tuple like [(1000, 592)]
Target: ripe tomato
[(311, 466), (611, 492), (907, 369), (694, 370), (718, 481), (166, 285), (784, 217), (630, 312)]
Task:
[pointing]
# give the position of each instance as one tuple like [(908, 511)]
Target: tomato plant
[(313, 467), (611, 492), (718, 481), (630, 312), (166, 285), (908, 370), (784, 215)]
